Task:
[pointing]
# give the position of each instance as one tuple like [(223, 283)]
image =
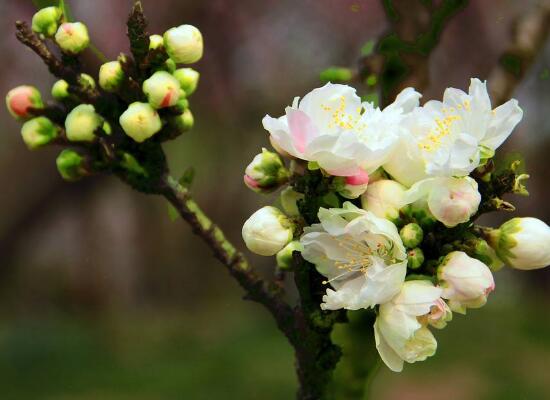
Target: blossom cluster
[(383, 202), (133, 101)]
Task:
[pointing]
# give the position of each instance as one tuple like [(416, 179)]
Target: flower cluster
[(383, 202), (139, 98)]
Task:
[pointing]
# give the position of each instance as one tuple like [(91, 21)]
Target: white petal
[(503, 121)]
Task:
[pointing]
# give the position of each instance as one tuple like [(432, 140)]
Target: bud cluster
[(137, 98)]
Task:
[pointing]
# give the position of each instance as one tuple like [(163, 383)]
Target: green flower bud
[(21, 100), (184, 44), (336, 74), (86, 81), (170, 65), (415, 258), (38, 132), (111, 76), (289, 201), (71, 165), (107, 128), (162, 90), (484, 253), (81, 123), (266, 172), (140, 121), (72, 37), (60, 90), (188, 79), (184, 121), (46, 20), (156, 42), (284, 257), (182, 104), (411, 235)]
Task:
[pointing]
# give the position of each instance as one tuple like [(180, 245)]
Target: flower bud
[(384, 198), (21, 99), (522, 243), (170, 66), (466, 282), (284, 257), (188, 79), (71, 165), (81, 123), (86, 81), (38, 132), (266, 172), (481, 250), (411, 235), (72, 37), (415, 258), (140, 121), (184, 121), (267, 231), (111, 76), (155, 42), (353, 186), (46, 20), (60, 90), (454, 201), (289, 201), (162, 89), (184, 44), (440, 314)]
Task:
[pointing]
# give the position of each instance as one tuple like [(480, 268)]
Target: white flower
[(384, 198), (400, 329), (267, 231), (522, 243), (332, 127), (450, 138), (360, 254), (466, 282), (450, 200)]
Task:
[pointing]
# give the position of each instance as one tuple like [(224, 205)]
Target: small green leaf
[(172, 212), (336, 74), (186, 179), (368, 48)]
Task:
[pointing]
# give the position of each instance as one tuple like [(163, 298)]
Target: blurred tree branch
[(528, 38)]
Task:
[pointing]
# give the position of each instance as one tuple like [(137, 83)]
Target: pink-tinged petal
[(20, 102), (169, 98), (361, 178), (250, 182), (302, 129)]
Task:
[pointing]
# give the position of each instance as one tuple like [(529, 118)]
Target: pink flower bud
[(21, 99)]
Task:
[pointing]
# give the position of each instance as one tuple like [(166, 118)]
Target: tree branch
[(529, 35)]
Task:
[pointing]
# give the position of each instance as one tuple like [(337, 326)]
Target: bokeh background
[(103, 296)]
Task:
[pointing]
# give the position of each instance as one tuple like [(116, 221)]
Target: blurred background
[(104, 296)]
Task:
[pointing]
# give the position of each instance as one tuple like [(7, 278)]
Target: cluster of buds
[(138, 98)]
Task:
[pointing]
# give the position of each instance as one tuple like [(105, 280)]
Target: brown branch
[(257, 289), (529, 35), (30, 39)]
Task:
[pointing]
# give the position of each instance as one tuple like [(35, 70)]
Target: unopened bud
[(485, 253), (162, 90), (184, 44), (351, 187), (384, 198), (46, 20), (266, 172), (72, 37), (411, 235), (415, 258), (284, 257), (140, 121), (71, 165), (336, 74), (86, 81), (267, 231), (38, 132), (188, 79), (184, 121), (81, 123), (522, 243), (21, 100), (182, 105), (170, 66), (111, 76), (60, 90), (155, 42)]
